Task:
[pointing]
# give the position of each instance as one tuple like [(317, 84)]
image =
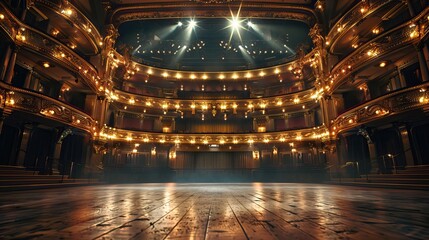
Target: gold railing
[(17, 99), (45, 45), (385, 106), (360, 11), (72, 14), (397, 38), (287, 100), (308, 134), (134, 67)]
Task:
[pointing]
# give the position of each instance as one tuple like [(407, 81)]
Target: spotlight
[(192, 23), (235, 24), (250, 24), (179, 24)]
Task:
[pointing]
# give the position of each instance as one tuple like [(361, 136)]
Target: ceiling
[(214, 44)]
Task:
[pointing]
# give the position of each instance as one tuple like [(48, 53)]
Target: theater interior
[(214, 119)]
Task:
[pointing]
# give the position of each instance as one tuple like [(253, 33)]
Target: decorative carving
[(389, 104), (64, 134), (363, 131), (36, 103), (213, 1)]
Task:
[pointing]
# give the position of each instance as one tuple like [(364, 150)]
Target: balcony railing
[(72, 14), (45, 45), (287, 100), (396, 39), (360, 11), (385, 106), (308, 134), (17, 99)]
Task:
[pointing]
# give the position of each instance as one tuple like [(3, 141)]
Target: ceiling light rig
[(235, 24), (192, 23)]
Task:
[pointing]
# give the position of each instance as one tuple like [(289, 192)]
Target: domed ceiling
[(213, 44)]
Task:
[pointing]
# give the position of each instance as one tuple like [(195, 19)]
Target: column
[(309, 119), (373, 158), (25, 138), (426, 53), (422, 63), (119, 119), (11, 65), (28, 78), (141, 122), (375, 168), (406, 144), (410, 8), (3, 117), (286, 121), (6, 58), (100, 109), (90, 105)]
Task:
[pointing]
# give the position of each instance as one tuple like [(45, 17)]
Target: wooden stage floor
[(215, 211)]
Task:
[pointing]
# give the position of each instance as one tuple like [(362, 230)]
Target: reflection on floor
[(215, 211)]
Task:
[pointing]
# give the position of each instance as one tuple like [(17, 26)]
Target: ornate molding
[(45, 45), (16, 99), (404, 35), (218, 8), (120, 135), (361, 10), (388, 105), (213, 1), (289, 101), (79, 20)]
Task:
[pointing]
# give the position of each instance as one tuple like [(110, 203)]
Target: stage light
[(179, 24), (250, 24), (235, 24), (192, 23)]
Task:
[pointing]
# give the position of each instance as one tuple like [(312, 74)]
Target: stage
[(215, 211)]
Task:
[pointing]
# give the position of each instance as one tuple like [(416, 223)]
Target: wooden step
[(30, 181), (44, 186), (9, 167), (383, 185), (21, 176), (398, 176)]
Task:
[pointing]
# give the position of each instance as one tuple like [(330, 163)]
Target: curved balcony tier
[(287, 101), (71, 25), (394, 40), (17, 99), (360, 20), (130, 11), (44, 45), (120, 135), (383, 108), (290, 70)]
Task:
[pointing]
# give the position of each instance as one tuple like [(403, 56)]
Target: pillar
[(11, 65), (25, 138), (90, 105), (373, 157), (426, 53), (406, 144), (3, 117), (309, 119), (119, 119), (422, 63), (410, 8), (6, 58), (28, 78)]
